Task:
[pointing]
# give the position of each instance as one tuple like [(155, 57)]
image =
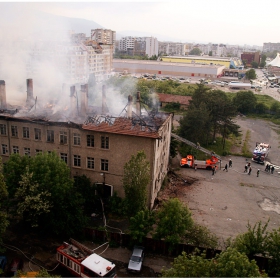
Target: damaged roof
[(144, 127)]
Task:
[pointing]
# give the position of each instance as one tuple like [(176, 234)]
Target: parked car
[(136, 259), (3, 262), (14, 266)]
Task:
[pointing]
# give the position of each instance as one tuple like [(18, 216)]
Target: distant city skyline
[(202, 21)]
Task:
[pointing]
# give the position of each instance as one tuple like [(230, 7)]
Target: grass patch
[(245, 148)]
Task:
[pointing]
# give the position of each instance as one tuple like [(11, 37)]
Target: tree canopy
[(251, 74), (210, 112), (245, 101), (173, 219), (228, 264), (195, 51), (42, 192), (135, 181)]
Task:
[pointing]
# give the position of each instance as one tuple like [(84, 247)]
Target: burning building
[(91, 142)]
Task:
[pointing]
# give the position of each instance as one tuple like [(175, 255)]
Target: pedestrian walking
[(213, 170), (266, 167), (230, 163), (250, 169), (258, 173), (225, 168), (246, 168), (272, 169)]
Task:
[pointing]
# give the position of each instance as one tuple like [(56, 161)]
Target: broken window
[(63, 137), (14, 131), (37, 133), (64, 157), (3, 129), (50, 136), (25, 132), (15, 149)]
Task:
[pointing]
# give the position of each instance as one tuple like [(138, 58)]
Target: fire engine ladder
[(81, 246), (198, 147)]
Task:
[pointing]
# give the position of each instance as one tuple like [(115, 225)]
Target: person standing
[(213, 170), (258, 173), (246, 168), (272, 169), (250, 169), (225, 168), (230, 163)]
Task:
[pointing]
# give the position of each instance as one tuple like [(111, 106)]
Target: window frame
[(76, 160), (104, 164), (37, 134), (50, 136), (25, 132), (76, 139), (105, 142)]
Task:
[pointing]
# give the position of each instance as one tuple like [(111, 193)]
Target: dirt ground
[(228, 201)]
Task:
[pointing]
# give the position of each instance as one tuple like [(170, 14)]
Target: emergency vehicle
[(260, 152), (190, 162)]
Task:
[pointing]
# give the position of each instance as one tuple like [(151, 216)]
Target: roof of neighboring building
[(275, 61), (184, 100)]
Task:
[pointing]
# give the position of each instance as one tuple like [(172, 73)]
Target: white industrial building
[(167, 68)]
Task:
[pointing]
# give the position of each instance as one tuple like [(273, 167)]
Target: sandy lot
[(227, 201)]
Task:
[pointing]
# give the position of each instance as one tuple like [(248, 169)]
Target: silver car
[(136, 259)]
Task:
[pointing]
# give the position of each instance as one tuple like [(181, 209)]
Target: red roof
[(125, 126), (168, 98)]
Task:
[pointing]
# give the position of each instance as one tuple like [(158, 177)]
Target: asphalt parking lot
[(227, 201)]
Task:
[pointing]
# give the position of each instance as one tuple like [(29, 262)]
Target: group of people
[(229, 165), (248, 168), (269, 168)]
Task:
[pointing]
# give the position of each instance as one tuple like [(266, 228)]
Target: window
[(77, 139), (77, 160), (64, 157), (14, 131), (15, 150), (104, 165), (4, 149), (104, 142), (50, 136), (63, 137), (37, 133), (2, 129), (25, 132), (90, 140), (27, 151), (90, 162), (38, 151)]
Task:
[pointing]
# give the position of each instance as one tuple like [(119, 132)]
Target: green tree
[(254, 64), (253, 241), (32, 202), (263, 60), (273, 252), (210, 53), (135, 181), (261, 108), (245, 101), (3, 197), (233, 264), (228, 264), (141, 224), (200, 236), (251, 74), (50, 175), (173, 219), (195, 51)]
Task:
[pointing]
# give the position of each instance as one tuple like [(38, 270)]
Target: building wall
[(168, 69), (119, 151), (202, 60)]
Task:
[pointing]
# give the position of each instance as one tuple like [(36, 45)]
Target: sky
[(243, 22)]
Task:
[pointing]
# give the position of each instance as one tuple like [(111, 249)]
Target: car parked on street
[(136, 259)]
